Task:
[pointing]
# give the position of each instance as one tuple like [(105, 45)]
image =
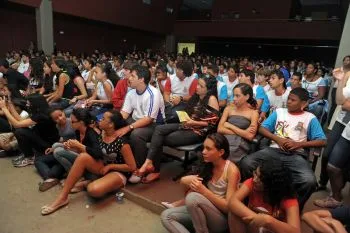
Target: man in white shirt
[(144, 109), (231, 80), (24, 65), (278, 96)]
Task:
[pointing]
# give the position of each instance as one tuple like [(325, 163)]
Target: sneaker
[(3, 153), (328, 202), (24, 162), (18, 158)]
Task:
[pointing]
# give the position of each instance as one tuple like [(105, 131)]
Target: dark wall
[(80, 35), (320, 30), (18, 28), (267, 9), (131, 13)]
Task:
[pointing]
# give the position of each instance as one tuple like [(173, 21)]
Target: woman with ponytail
[(205, 206), (101, 99), (239, 121)]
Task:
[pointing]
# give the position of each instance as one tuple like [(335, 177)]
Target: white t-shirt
[(346, 132), (179, 87), (101, 93), (267, 88), (344, 116), (277, 101), (230, 85), (150, 103), (23, 67)]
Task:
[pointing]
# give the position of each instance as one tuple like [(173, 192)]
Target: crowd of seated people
[(98, 122)]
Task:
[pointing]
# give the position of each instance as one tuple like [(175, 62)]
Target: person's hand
[(106, 169), (89, 102), (123, 131), (197, 185), (281, 143), (3, 103), (73, 101), (175, 100), (292, 145), (73, 143), (338, 73), (189, 122), (262, 117), (258, 220), (227, 125), (48, 151)]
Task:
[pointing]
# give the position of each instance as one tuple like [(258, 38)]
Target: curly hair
[(276, 181)]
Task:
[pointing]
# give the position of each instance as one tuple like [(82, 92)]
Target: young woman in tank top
[(205, 207)]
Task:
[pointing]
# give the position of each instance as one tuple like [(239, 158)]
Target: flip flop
[(46, 210), (167, 205), (46, 185), (150, 178)]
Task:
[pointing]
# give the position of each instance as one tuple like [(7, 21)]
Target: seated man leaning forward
[(144, 109), (292, 130)]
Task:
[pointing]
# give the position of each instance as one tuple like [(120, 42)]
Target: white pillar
[(44, 26), (343, 50), (170, 44), (344, 45)]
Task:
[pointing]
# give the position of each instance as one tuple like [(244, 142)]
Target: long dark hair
[(276, 181), (111, 74), (38, 104), (221, 143), (117, 119), (83, 114), (195, 101), (37, 71), (247, 90)]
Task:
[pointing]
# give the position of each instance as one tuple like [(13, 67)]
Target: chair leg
[(185, 165)]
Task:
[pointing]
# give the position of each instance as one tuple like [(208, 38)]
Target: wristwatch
[(181, 98), (131, 127)]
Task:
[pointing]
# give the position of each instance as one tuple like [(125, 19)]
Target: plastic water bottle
[(119, 196)]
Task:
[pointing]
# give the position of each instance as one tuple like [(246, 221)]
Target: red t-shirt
[(256, 202)]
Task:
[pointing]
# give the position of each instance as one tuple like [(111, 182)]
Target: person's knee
[(309, 180), (95, 190), (166, 216), (83, 158), (57, 145), (57, 152), (333, 170), (193, 199)]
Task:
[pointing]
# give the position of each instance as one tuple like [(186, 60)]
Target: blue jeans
[(303, 177), (65, 157)]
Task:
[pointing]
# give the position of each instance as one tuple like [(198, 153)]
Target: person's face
[(59, 117), (346, 61), (171, 63), (222, 69), (310, 69), (210, 152), (211, 72), (239, 98), (275, 81), (16, 56), (47, 69), (295, 82), (320, 73), (205, 70), (292, 64), (243, 78), (99, 74), (134, 80), (25, 59), (87, 65), (201, 88), (258, 185), (127, 73), (294, 104), (105, 122), (144, 64), (2, 82), (261, 78), (231, 73), (54, 67), (75, 122), (160, 74), (180, 74)]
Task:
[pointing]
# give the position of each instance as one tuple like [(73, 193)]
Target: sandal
[(47, 184), (138, 176), (46, 210), (328, 202), (150, 178)]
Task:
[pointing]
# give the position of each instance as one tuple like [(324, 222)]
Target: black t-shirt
[(342, 214), (91, 142), (15, 82), (45, 128)]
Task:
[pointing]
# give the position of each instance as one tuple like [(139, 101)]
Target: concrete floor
[(20, 203)]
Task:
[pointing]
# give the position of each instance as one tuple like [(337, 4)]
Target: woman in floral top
[(112, 163), (203, 112)]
